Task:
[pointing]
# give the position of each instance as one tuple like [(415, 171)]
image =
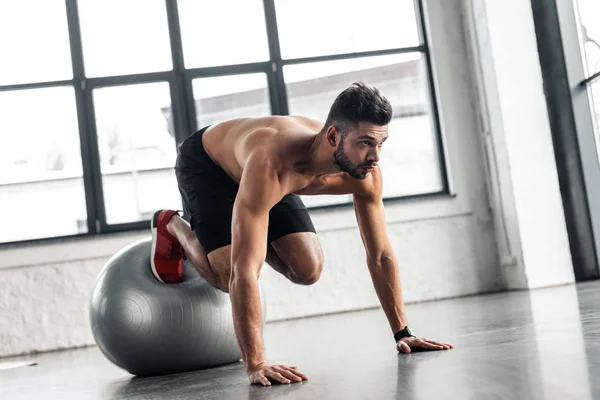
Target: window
[(34, 45), (589, 19), (137, 151), (589, 13), (594, 94), (96, 96), (222, 98), (223, 32), (344, 26), (575, 113), (124, 37), (41, 181)]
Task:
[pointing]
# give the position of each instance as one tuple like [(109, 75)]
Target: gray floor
[(543, 344)]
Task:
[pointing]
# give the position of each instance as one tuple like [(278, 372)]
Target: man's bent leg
[(297, 256), (179, 228), (208, 195), (296, 250), (277, 263)]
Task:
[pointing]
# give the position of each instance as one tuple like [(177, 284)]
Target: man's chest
[(340, 183)]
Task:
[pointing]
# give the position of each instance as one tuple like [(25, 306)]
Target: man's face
[(358, 153)]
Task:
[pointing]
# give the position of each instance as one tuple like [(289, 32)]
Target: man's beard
[(343, 163)]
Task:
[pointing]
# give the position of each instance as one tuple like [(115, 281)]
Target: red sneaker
[(167, 253)]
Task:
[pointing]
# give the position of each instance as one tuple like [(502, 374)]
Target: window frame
[(576, 142), (183, 104), (588, 129)]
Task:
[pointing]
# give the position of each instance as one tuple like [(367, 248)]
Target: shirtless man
[(240, 182)]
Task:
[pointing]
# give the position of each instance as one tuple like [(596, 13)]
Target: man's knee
[(311, 273)]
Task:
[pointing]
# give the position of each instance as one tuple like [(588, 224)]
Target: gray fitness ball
[(148, 327)]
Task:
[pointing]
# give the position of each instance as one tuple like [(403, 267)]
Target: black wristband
[(406, 332)]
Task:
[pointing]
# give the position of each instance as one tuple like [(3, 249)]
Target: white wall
[(445, 245)]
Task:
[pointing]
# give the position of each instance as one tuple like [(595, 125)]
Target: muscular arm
[(259, 191), (381, 260), (382, 263)]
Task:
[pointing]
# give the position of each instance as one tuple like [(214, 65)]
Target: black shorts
[(208, 195)]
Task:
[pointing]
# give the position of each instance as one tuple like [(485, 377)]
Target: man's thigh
[(208, 199), (293, 237), (212, 225), (289, 216), (298, 257)]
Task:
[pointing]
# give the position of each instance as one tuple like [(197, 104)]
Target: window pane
[(589, 11), (409, 159), (137, 151), (124, 37), (222, 32), (34, 45), (223, 98), (595, 103), (344, 26), (41, 184)]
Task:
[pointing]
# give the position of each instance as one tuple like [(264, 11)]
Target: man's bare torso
[(287, 139)]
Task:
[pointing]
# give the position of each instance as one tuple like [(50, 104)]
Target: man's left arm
[(383, 265)]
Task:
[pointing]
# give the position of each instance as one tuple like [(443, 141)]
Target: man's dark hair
[(358, 103)]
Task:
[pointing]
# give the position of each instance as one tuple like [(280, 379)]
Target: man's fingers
[(427, 345), (263, 379), (277, 376), (444, 345), (288, 373), (295, 371), (403, 347)]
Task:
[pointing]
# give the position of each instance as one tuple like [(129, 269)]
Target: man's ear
[(331, 135)]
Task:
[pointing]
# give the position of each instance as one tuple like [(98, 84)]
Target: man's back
[(286, 139)]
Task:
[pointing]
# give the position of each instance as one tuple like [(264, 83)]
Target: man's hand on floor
[(280, 373), (409, 344)]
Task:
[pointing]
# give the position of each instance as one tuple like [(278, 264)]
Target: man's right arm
[(260, 189)]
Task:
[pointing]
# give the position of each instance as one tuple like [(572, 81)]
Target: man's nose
[(373, 155)]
